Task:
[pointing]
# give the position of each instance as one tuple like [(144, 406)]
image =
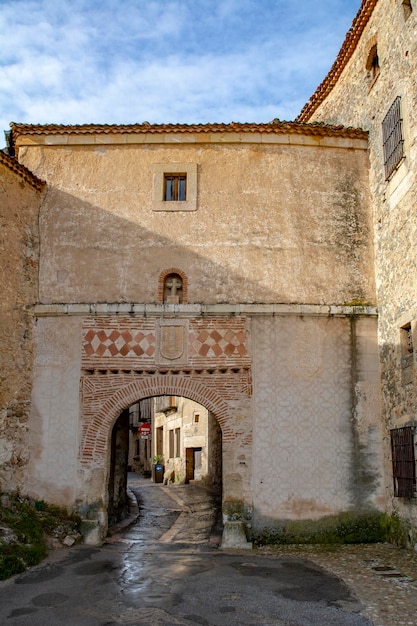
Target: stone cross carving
[(173, 284)]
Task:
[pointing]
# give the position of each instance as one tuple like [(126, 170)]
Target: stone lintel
[(195, 310)]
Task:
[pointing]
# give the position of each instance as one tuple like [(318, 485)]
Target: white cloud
[(125, 61)]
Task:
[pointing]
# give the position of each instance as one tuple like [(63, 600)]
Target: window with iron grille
[(392, 136), (175, 187), (403, 462)]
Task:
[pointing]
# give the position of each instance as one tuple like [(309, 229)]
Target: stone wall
[(20, 197), (305, 443), (275, 250), (277, 220), (359, 99)]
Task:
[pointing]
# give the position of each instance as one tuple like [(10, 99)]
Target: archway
[(106, 393), (182, 434)]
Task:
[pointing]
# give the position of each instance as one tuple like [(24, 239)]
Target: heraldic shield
[(172, 341)]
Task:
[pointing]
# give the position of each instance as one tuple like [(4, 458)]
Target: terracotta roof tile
[(274, 127), (22, 171), (349, 46)]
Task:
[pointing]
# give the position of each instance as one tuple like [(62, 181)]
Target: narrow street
[(166, 569)]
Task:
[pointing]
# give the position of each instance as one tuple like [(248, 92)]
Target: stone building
[(373, 85), (188, 438), (272, 326), (20, 199), (242, 266)]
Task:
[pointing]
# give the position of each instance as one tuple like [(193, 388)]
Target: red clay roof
[(275, 127), (12, 164), (349, 45)]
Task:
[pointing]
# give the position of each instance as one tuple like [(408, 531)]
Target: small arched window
[(173, 289), (407, 9), (372, 62)]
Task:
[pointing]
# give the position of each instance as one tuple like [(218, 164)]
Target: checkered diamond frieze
[(218, 343), (114, 343)]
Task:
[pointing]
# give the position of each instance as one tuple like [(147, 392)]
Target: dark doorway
[(192, 464), (117, 493)]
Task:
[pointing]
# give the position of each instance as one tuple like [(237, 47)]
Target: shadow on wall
[(92, 255)]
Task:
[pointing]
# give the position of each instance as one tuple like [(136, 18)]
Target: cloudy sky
[(163, 61)]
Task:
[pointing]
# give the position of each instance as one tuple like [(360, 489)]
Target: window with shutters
[(171, 441), (392, 137), (403, 462), (178, 442)]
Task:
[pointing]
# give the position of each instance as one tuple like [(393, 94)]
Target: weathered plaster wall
[(19, 260), (317, 442), (313, 416), (55, 411), (274, 222), (359, 101)]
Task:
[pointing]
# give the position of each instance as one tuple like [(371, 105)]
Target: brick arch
[(95, 438), (161, 283)]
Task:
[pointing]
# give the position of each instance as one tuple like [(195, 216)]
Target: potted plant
[(158, 468)]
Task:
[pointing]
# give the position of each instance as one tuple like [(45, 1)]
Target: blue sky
[(165, 61)]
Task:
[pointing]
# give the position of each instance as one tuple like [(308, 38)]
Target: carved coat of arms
[(172, 342)]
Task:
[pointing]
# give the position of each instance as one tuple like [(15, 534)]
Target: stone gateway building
[(264, 271)]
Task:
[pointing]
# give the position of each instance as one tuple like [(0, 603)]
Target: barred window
[(403, 462), (392, 136)]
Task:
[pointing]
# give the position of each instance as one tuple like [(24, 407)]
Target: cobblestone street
[(382, 576), (164, 567), (177, 513)]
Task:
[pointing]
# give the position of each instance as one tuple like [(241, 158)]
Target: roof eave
[(345, 53)]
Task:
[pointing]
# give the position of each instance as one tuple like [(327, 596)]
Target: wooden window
[(175, 187), (392, 136), (160, 440), (403, 462), (178, 442), (171, 444)]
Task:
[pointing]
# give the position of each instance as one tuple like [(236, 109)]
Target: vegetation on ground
[(348, 528), (27, 528)]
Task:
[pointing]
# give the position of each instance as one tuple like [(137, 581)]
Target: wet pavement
[(167, 569)]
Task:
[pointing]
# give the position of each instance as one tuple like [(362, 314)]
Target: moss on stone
[(24, 526), (349, 527)]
